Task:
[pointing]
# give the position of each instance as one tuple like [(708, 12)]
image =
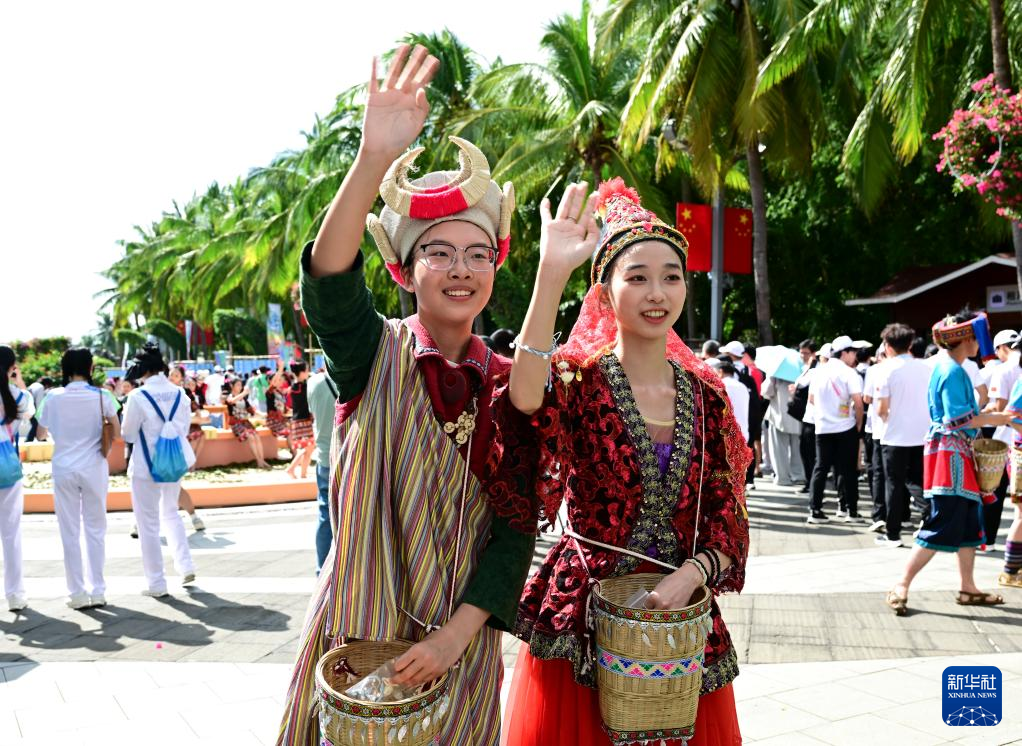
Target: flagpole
[(717, 266)]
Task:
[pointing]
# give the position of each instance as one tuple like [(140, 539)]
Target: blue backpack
[(10, 460), (167, 462)]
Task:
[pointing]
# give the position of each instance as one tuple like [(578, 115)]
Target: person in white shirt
[(16, 406), (155, 503), (737, 393), (903, 406), (836, 396), (215, 386), (874, 432), (1001, 382), (807, 432), (38, 390), (75, 415)]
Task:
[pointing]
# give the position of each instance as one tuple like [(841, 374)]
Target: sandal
[(978, 599), (898, 603)]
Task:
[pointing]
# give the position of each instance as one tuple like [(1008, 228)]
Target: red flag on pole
[(738, 241), (694, 222)]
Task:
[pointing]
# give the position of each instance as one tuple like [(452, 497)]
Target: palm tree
[(928, 52), (697, 52)]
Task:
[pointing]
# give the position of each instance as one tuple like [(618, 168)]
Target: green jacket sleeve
[(501, 574), (341, 312)]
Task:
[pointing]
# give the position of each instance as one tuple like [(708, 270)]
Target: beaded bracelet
[(699, 566), (714, 561)]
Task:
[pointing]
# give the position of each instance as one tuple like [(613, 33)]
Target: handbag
[(798, 402), (106, 438), (10, 458)]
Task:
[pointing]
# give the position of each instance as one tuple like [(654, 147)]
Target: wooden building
[(920, 295)]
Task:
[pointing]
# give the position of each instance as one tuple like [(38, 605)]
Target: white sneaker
[(197, 523), (878, 526), (79, 601), (16, 603), (97, 601), (155, 594), (839, 514), (853, 519), (884, 541)]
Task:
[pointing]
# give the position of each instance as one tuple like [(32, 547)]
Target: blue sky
[(114, 109)]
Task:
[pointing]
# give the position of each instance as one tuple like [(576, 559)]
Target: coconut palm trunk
[(1002, 76), (759, 243)]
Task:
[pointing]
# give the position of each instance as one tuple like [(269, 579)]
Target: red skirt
[(546, 706)]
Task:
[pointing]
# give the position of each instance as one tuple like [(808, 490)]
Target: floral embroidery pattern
[(653, 534)]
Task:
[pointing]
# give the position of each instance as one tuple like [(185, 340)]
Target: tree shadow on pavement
[(215, 611), (119, 627)]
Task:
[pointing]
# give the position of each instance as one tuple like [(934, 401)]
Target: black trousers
[(840, 451), (992, 512), (807, 449), (903, 467), (877, 481)]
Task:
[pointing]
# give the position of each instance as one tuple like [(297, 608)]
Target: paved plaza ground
[(823, 660)]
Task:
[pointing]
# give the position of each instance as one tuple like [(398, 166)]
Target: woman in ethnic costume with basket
[(418, 554), (637, 441), (954, 522)]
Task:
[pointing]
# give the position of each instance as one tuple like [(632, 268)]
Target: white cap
[(217, 369), (840, 344), (713, 363), (1005, 337), (826, 351), (734, 347), (861, 344)]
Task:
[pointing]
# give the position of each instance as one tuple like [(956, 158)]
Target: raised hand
[(568, 240), (397, 109)]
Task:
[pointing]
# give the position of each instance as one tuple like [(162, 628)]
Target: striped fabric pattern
[(397, 481)]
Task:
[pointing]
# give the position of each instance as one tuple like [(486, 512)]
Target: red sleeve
[(524, 467)]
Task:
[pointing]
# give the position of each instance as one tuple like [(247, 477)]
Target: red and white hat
[(414, 206)]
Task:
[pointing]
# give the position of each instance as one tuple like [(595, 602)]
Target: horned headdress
[(414, 206)]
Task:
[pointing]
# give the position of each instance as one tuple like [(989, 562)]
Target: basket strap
[(578, 537), (702, 463)]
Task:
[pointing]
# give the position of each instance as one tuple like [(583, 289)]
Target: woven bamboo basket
[(344, 721), (649, 662), (991, 458), (1015, 483)]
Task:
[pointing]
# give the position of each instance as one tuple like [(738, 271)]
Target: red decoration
[(738, 241), (695, 223)]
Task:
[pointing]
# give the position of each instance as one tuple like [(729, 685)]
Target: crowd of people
[(84, 420), (447, 457), (874, 413)]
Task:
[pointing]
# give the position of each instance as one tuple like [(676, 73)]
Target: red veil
[(595, 334)]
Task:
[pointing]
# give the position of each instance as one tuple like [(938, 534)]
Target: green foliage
[(34, 365), (670, 94), (241, 333)]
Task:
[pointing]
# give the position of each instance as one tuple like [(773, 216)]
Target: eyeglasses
[(442, 256)]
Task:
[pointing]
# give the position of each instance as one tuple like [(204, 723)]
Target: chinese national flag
[(694, 222), (738, 241)]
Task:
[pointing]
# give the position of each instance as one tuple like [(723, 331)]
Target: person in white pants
[(74, 415), (155, 503), (783, 434), (15, 404)]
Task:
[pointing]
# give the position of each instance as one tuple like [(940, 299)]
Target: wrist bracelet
[(545, 354), (714, 564), (699, 566)]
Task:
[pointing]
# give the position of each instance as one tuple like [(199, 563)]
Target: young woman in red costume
[(637, 443)]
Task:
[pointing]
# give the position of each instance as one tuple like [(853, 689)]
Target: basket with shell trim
[(991, 456), (649, 661), (416, 721), (345, 721)]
